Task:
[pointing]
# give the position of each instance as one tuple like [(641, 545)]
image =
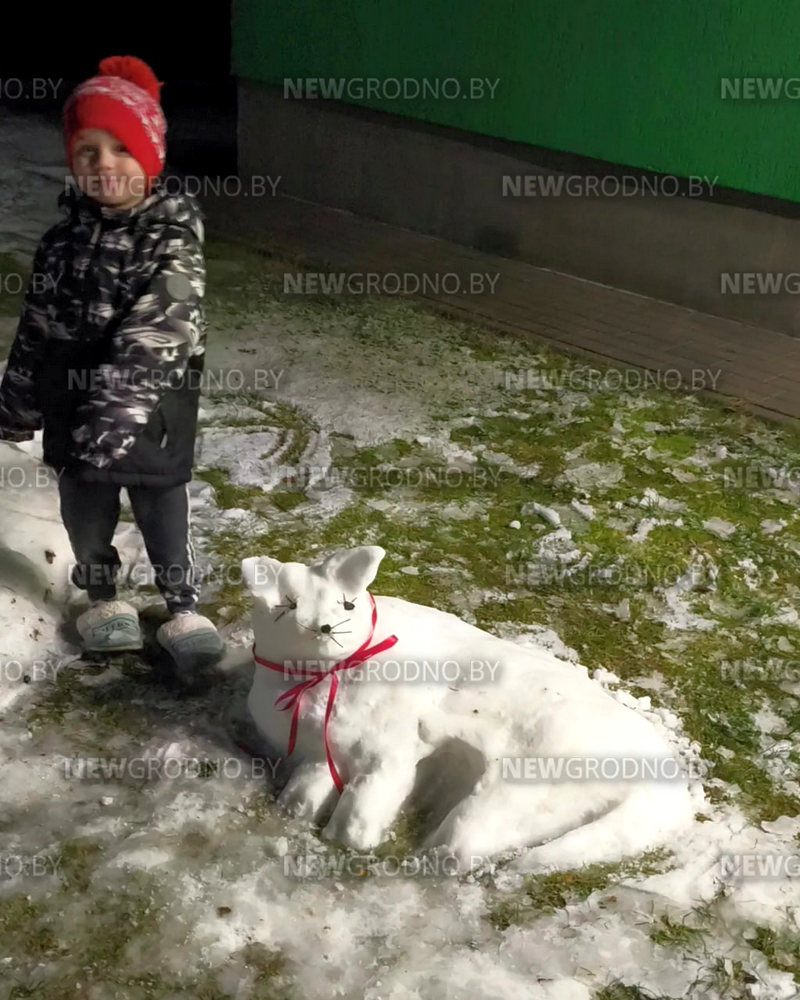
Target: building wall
[(634, 82)]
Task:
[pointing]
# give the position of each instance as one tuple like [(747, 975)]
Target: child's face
[(105, 170)]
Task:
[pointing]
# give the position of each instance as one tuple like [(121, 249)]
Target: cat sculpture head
[(312, 615)]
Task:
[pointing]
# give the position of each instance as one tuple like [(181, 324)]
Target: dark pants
[(90, 512)]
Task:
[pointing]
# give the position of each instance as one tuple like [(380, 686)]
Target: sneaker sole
[(129, 647), (194, 652)]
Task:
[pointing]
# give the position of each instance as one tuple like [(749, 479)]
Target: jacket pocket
[(164, 439), (155, 429)]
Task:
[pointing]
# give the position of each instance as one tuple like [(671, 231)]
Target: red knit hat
[(122, 100)]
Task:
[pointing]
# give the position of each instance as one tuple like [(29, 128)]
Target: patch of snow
[(536, 636), (574, 453), (558, 547), (676, 612), (768, 721), (547, 513), (233, 513), (225, 411), (462, 511), (682, 475), (645, 526), (584, 509), (623, 610), (593, 475), (719, 527), (751, 575), (257, 458), (783, 616), (652, 498), (330, 501)]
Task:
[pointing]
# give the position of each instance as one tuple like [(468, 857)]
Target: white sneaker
[(191, 640), (109, 626)]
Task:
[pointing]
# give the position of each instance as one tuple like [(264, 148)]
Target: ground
[(672, 574)]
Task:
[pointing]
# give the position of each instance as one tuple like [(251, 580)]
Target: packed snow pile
[(34, 547), (502, 747), (36, 561)]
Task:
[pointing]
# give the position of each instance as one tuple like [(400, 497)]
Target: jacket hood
[(167, 203)]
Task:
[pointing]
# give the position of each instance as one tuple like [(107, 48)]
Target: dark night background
[(188, 48)]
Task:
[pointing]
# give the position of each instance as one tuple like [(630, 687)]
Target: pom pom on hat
[(135, 70)]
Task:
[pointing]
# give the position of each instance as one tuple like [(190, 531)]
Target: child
[(111, 334)]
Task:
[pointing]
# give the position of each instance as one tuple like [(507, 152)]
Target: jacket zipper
[(94, 244)]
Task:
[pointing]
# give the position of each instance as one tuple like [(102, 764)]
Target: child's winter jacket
[(110, 346)]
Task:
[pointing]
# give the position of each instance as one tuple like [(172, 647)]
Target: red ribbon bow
[(291, 699)]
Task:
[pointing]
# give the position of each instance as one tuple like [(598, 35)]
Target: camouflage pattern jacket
[(111, 341)]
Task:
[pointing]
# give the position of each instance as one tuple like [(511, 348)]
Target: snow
[(547, 513), (557, 548), (386, 936), (594, 475), (352, 924), (584, 509), (621, 610), (719, 527), (783, 616), (528, 706), (652, 498), (675, 610), (31, 152), (751, 574), (258, 458), (645, 526)]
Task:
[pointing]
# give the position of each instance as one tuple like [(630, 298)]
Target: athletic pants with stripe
[(90, 513)]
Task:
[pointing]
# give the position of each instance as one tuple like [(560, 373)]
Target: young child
[(111, 332)]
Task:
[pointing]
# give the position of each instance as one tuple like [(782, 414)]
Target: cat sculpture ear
[(260, 574), (352, 570)]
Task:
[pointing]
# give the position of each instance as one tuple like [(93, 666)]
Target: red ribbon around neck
[(291, 699)]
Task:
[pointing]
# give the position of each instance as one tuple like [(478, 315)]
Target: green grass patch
[(542, 894), (227, 494), (621, 991), (119, 938), (780, 947), (670, 934)]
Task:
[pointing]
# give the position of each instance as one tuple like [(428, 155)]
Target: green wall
[(636, 82)]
